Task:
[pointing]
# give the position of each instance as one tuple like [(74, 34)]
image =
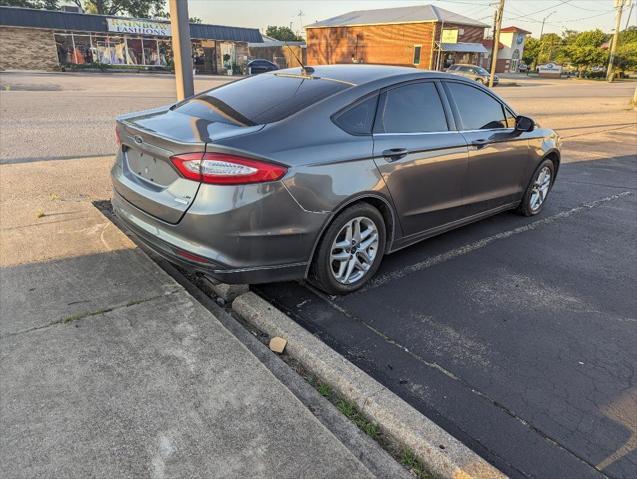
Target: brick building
[(424, 36), (32, 39)]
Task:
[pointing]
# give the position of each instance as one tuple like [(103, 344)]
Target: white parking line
[(382, 279)]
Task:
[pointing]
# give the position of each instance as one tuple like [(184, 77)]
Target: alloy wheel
[(540, 188), (353, 250)]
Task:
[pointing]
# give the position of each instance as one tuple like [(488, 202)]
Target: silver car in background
[(319, 172), (473, 72)]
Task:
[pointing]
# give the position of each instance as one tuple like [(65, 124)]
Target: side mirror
[(524, 124)]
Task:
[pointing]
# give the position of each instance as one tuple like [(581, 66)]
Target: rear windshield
[(259, 99)]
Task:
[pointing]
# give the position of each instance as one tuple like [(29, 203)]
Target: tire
[(537, 186), (480, 81), (350, 270)]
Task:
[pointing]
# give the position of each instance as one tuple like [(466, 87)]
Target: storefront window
[(82, 53), (165, 52), (151, 55), (87, 48), (64, 44), (135, 51)]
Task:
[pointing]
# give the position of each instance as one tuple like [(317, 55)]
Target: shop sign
[(550, 68), (449, 36), (140, 27)]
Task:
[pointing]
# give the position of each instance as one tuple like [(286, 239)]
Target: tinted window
[(358, 120), (259, 99), (477, 109), (413, 108)]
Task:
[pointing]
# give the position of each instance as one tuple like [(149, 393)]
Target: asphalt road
[(517, 335), (70, 115)]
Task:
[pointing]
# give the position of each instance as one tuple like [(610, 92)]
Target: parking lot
[(517, 335)]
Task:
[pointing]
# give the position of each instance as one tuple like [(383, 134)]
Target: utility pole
[(539, 50), (300, 15), (182, 48), (494, 47), (496, 41), (619, 7)]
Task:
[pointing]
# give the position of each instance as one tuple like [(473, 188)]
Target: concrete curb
[(440, 452)]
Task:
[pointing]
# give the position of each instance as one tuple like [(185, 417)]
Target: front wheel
[(538, 189), (350, 251)]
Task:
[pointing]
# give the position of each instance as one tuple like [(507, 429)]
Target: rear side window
[(413, 108), (259, 99), (477, 109), (358, 119)]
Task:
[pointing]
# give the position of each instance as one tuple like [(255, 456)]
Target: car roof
[(361, 74)]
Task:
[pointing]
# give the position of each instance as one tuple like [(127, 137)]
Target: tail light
[(224, 169)]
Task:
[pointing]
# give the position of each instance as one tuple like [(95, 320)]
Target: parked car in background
[(473, 72), (318, 173), (261, 66), (523, 67)]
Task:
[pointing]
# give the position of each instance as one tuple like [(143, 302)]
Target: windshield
[(260, 99), (481, 71)]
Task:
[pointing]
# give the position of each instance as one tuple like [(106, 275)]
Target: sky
[(527, 14)]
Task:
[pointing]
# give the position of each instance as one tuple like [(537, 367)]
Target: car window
[(413, 108), (259, 99), (358, 119), (453, 67), (477, 109), (510, 118)]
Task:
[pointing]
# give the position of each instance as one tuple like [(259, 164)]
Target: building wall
[(381, 44), (27, 49)]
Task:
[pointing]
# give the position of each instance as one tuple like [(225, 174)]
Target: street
[(52, 116), (516, 335)]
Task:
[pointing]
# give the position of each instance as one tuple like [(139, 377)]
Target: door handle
[(394, 154), (480, 143)]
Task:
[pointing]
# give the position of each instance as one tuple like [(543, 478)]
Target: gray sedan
[(317, 173)]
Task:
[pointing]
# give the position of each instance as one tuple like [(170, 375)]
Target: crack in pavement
[(470, 247), (88, 314)]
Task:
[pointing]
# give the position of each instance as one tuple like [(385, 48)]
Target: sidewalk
[(109, 368)]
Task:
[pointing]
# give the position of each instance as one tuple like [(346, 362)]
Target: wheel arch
[(382, 204), (553, 155)]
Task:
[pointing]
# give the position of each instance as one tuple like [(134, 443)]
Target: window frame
[(456, 112), (382, 98), (413, 57)]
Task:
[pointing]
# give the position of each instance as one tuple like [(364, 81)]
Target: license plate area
[(150, 168)]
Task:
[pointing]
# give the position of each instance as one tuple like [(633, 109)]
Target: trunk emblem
[(138, 139)]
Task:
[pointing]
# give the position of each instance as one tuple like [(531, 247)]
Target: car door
[(421, 157), (498, 156)]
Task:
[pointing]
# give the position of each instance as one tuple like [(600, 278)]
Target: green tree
[(133, 8), (282, 33), (583, 50), (626, 54), (550, 45), (531, 49), (43, 4)]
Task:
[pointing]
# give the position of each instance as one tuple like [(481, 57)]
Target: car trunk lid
[(149, 181)]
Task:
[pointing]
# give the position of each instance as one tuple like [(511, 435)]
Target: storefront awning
[(463, 47)]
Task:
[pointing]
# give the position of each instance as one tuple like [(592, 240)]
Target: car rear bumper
[(150, 236)]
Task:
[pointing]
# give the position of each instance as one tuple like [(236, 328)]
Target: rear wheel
[(350, 251), (538, 189)]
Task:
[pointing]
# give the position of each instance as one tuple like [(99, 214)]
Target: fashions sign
[(140, 27)]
